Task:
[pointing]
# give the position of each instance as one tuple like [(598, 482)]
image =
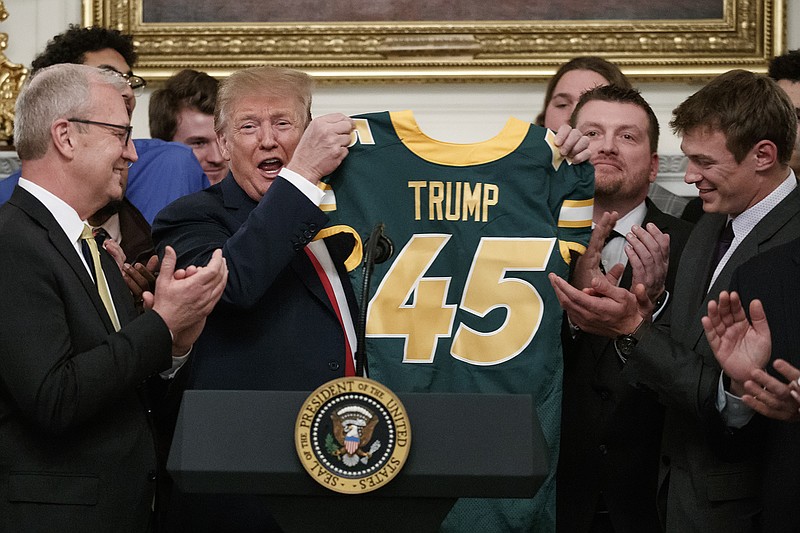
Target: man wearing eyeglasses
[(164, 171), (76, 444)]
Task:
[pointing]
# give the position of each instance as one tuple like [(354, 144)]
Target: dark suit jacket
[(706, 492), (274, 328), (774, 278), (610, 431), (137, 240), (76, 450)]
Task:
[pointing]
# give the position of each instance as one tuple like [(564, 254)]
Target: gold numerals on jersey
[(453, 200), (413, 307)]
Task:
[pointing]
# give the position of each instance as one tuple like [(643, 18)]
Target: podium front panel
[(462, 445)]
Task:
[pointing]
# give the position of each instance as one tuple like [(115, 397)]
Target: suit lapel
[(39, 213), (64, 247), (693, 274), (305, 270), (240, 205), (752, 245), (235, 200)]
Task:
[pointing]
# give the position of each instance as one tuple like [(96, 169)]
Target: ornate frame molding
[(748, 34), (12, 76)]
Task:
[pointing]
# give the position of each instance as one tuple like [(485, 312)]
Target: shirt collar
[(66, 217), (112, 228), (634, 217), (748, 219)]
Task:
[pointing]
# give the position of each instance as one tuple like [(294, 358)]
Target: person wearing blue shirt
[(165, 171)]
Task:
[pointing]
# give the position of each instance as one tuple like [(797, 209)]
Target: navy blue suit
[(274, 328)]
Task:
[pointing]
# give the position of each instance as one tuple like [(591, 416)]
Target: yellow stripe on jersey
[(458, 155), (565, 247), (355, 257), (550, 139), (576, 213), (328, 202)]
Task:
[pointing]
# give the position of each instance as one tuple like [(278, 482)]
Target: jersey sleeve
[(573, 190)]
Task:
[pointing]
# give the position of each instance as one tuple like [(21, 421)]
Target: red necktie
[(349, 366)]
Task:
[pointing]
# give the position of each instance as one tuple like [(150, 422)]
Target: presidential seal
[(352, 435)]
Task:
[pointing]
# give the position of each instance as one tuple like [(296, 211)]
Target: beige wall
[(449, 111)]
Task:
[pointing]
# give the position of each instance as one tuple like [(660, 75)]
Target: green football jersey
[(465, 304)]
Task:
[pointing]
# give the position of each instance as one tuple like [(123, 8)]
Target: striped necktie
[(100, 281)]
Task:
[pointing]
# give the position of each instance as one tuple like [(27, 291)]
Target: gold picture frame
[(12, 77), (748, 33)]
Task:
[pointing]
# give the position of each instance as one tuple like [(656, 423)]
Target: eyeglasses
[(135, 82), (123, 137)]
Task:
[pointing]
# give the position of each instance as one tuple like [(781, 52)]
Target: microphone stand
[(377, 249)]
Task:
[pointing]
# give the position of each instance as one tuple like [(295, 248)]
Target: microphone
[(384, 247), (377, 249)]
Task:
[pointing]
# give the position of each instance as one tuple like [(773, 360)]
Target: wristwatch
[(626, 343)]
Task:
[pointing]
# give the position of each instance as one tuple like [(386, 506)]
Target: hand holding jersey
[(572, 144), (322, 147)]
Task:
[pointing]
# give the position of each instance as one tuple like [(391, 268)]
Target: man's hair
[(606, 69), (188, 88), (622, 95), (744, 106), (263, 81), (60, 91), (785, 67), (72, 45)]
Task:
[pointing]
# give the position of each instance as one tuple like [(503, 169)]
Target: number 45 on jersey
[(413, 307)]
